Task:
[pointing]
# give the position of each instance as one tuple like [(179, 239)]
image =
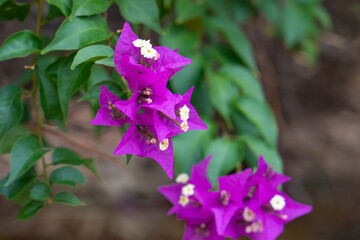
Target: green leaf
[(226, 154), (80, 32), (66, 156), (30, 210), (2, 2), (89, 7), (90, 164), (49, 99), (236, 39), (261, 116), (259, 147), (222, 94), (53, 13), (20, 44), (140, 11), (41, 191), (11, 107), (107, 61), (97, 74), (246, 81), (94, 93), (187, 9), (67, 176), (10, 10), (69, 81), (18, 186), (68, 198), (322, 16), (128, 158), (189, 148), (92, 53), (24, 155), (8, 140), (64, 6)]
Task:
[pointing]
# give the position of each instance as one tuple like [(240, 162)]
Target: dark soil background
[(317, 108)]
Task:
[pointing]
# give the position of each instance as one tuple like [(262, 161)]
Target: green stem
[(34, 89)]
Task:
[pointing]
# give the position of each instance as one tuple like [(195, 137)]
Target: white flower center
[(184, 200), (278, 202), (140, 43), (184, 113), (182, 178), (164, 145), (188, 190), (184, 126), (248, 215), (148, 52)]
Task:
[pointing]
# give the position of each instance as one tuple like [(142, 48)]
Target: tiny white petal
[(148, 52), (184, 126), (278, 202), (188, 190), (184, 112), (184, 200), (182, 178), (142, 43), (164, 145)]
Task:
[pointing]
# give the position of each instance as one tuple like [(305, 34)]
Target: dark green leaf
[(89, 7), (63, 5), (90, 164), (222, 94), (226, 154), (128, 158), (11, 107), (248, 84), (140, 11), (261, 116), (189, 148), (92, 53), (107, 61), (94, 93), (20, 44), (18, 186), (187, 9), (98, 74), (41, 191), (66, 156), (259, 147), (67, 176), (10, 10), (69, 82), (30, 210), (80, 32), (25, 153), (53, 13), (236, 39), (68, 198), (8, 140)]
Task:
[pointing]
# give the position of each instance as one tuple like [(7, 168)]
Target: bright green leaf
[(89, 7), (80, 32), (67, 176), (226, 155), (94, 93), (107, 61), (8, 140), (25, 153), (92, 53), (30, 210), (68, 198), (10, 10), (64, 6), (20, 44), (41, 191), (261, 116), (140, 11), (246, 81)]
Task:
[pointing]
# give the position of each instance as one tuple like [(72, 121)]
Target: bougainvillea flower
[(265, 214), (201, 231), (186, 119), (140, 139), (184, 194), (228, 200), (111, 112)]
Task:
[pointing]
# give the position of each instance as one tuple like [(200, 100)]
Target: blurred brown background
[(317, 108)]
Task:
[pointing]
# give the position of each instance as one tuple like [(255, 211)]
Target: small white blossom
[(248, 215), (164, 145), (184, 126), (278, 202), (184, 200), (184, 113), (182, 178), (148, 52), (140, 43), (188, 190)]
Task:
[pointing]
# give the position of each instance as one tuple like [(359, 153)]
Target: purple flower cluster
[(153, 112), (246, 204)]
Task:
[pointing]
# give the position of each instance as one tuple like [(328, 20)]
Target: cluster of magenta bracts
[(153, 112), (246, 204)]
